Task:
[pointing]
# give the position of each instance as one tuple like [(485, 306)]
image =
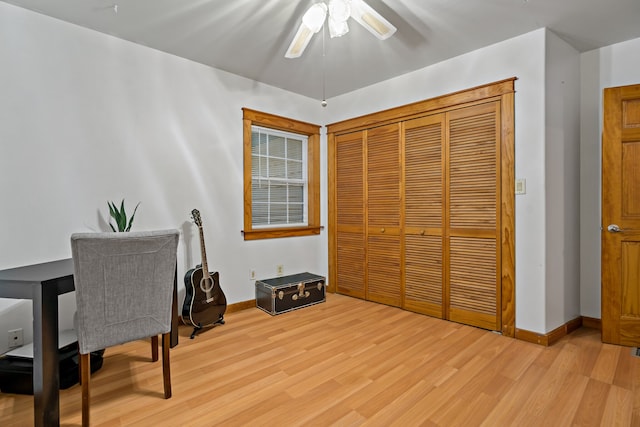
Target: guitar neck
[(203, 254)]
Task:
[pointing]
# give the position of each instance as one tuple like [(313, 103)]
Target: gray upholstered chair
[(124, 291)]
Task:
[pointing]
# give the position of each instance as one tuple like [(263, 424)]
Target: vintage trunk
[(286, 293)]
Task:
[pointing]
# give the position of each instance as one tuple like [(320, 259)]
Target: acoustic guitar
[(205, 303)]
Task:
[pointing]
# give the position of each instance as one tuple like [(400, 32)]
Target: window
[(278, 178), (281, 177)]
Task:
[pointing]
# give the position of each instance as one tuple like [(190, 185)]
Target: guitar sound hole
[(206, 284)]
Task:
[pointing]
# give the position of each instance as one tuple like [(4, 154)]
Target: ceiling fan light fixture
[(337, 28), (314, 17), (340, 10)]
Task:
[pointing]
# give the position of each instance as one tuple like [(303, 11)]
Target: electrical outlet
[(252, 274), (15, 338), (280, 269)]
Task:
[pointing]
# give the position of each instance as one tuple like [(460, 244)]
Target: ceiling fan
[(339, 12)]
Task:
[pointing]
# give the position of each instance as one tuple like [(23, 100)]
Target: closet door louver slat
[(383, 177), (351, 265)]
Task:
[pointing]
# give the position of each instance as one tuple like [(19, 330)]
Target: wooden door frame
[(502, 91)]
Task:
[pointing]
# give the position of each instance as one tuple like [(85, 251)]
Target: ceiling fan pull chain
[(324, 71)]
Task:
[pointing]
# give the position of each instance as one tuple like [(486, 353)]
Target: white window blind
[(278, 178)]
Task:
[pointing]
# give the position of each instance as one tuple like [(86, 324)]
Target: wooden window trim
[(252, 118)]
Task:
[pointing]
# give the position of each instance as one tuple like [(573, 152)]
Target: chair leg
[(154, 348), (80, 368), (85, 375), (166, 369)]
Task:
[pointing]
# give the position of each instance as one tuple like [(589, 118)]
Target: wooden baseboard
[(550, 337), (533, 337), (590, 322), (239, 306)]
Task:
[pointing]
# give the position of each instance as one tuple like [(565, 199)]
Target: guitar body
[(198, 310), (204, 303)]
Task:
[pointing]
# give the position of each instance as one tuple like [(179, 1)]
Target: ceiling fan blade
[(366, 16), (299, 42)]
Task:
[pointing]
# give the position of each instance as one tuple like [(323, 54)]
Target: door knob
[(613, 228)]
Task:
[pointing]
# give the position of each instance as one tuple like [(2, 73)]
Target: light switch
[(521, 186)]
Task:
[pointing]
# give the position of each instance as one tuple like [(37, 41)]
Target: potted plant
[(120, 216)]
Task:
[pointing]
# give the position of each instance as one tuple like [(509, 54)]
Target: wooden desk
[(42, 283)]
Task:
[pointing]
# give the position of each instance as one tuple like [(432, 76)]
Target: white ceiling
[(250, 37)]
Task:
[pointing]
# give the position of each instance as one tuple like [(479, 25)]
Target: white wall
[(615, 65), (86, 118), (562, 185), (522, 57)]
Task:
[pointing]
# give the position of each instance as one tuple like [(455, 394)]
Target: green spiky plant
[(120, 216)]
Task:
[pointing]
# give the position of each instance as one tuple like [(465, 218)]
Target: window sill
[(275, 233)]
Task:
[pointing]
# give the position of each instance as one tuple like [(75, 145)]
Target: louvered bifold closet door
[(350, 214), (424, 216), (473, 210), (383, 215)]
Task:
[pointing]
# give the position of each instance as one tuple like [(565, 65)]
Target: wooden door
[(350, 214), (383, 189), (621, 216), (472, 234), (424, 202)]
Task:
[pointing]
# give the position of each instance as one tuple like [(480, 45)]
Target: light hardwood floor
[(349, 362)]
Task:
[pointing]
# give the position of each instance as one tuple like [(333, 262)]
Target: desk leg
[(46, 375)]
